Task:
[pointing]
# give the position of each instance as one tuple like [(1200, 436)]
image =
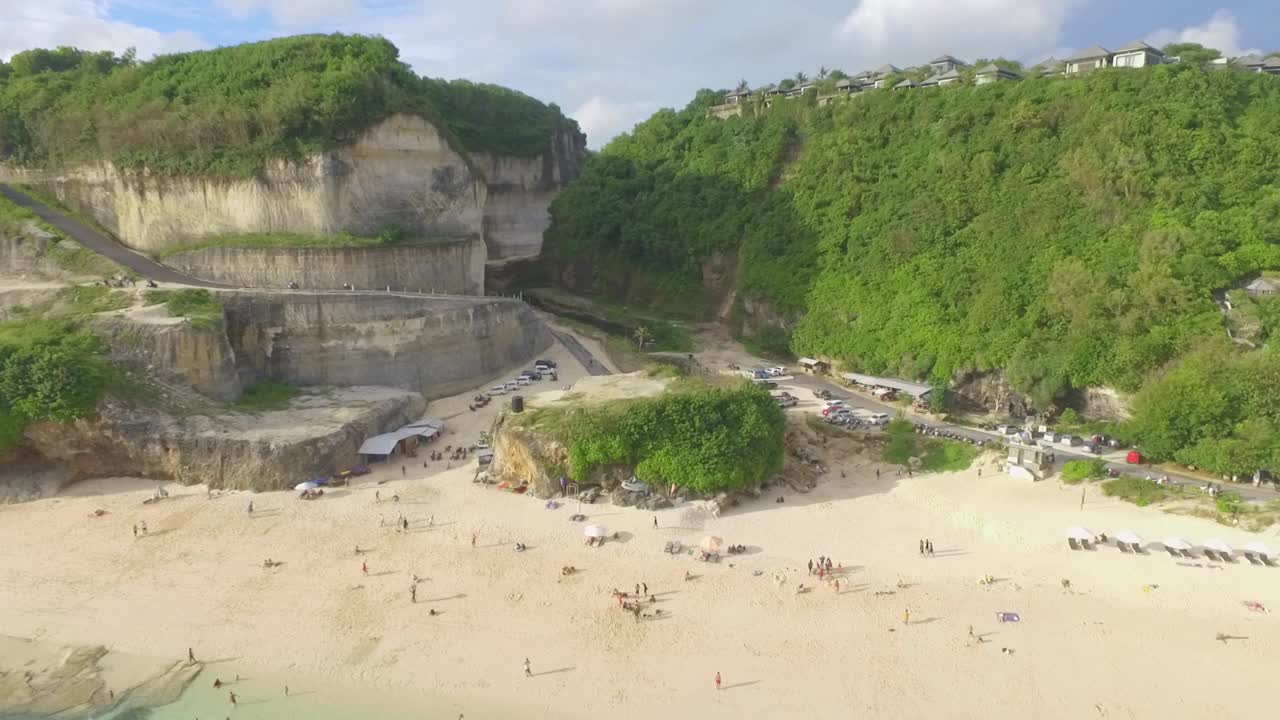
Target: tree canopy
[(227, 111), (1072, 232)]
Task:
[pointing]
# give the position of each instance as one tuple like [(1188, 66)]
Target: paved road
[(575, 348), (105, 246), (1063, 453)]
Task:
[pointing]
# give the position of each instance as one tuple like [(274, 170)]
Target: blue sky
[(610, 63)]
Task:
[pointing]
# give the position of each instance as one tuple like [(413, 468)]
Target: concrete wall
[(400, 171), (453, 267), (435, 347), (520, 191)]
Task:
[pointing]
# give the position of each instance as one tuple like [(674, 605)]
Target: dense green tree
[(48, 371), (1190, 52), (1072, 232)]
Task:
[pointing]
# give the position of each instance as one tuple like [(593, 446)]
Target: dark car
[(548, 363)]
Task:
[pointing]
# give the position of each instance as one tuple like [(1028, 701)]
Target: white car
[(777, 371), (498, 390), (513, 385), (523, 381), (832, 403), (542, 369)]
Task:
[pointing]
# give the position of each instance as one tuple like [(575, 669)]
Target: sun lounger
[(1172, 553), (1137, 549), (1210, 554), (1124, 547), (1071, 542), (1188, 554), (1251, 557)]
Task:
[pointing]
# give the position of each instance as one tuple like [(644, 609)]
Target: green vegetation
[(199, 307), (1075, 472), (934, 454), (267, 395), (67, 254), (1071, 232), (286, 240), (1141, 491), (49, 370), (82, 300), (226, 111), (703, 438)]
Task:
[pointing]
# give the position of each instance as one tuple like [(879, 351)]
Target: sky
[(612, 63)]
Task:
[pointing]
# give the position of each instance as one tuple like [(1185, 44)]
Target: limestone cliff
[(400, 172), (171, 350), (435, 346), (318, 435), (520, 191), (454, 267)]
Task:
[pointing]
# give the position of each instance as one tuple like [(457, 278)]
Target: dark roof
[(946, 58), (950, 75), (886, 69), (1089, 53), (904, 84), (1272, 62), (1249, 60), (931, 80), (1139, 45), (992, 68), (844, 83)]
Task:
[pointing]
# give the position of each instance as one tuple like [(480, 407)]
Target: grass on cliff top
[(199, 307), (390, 235), (267, 395)]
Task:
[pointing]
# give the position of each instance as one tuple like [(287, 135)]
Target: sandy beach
[(1133, 637)]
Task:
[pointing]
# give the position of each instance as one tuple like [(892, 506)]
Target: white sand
[(1108, 649)]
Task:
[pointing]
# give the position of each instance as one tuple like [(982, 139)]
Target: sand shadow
[(622, 537), (741, 684), (155, 533), (382, 573), (457, 596), (854, 588), (925, 621), (950, 553), (300, 694), (553, 672), (270, 512)]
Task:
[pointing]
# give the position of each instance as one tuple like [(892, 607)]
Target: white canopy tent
[(1218, 546), (1174, 543), (1079, 533), (1129, 536)]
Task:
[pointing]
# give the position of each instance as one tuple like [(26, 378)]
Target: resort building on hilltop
[(946, 63), (1138, 54), (993, 73), (1091, 58)]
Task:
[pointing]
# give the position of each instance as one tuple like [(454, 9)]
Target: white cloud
[(906, 31), (85, 24), (292, 13), (1220, 31), (603, 118)]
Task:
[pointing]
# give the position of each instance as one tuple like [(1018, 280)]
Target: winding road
[(584, 356), (105, 246)]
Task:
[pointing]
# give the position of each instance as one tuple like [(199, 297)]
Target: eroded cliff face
[(318, 435), (400, 171), (455, 267), (172, 350), (520, 191), (434, 346)]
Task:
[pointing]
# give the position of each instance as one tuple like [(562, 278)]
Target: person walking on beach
[(877, 473), (717, 680), (906, 616), (928, 547), (413, 594), (135, 531), (528, 672), (922, 547), (250, 507), (811, 566), (286, 691), (143, 525), (364, 568), (233, 698), (473, 539), (645, 587), (655, 522)]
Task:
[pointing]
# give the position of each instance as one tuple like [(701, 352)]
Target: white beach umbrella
[(1259, 548), (308, 485), (1174, 543), (1217, 545), (1129, 536), (1079, 533), (711, 544), (595, 531)]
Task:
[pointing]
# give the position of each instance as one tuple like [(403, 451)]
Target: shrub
[(1075, 472), (198, 306), (267, 395), (48, 371)]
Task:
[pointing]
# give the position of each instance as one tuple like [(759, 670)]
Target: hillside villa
[(948, 70)]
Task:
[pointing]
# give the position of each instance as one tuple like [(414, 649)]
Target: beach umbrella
[(595, 531), (1129, 536), (308, 485), (1259, 548), (1218, 546), (1079, 533), (711, 544), (1174, 543)]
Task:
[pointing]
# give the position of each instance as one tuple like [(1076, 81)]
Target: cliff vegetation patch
[(49, 370), (198, 306), (697, 436), (227, 111)]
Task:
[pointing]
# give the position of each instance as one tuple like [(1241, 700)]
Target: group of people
[(823, 567), (926, 548), (634, 602)]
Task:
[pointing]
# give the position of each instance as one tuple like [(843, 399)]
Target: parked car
[(766, 384), (1008, 429), (832, 403), (498, 390), (786, 400), (1072, 440), (531, 374), (513, 385), (823, 394), (522, 380), (1049, 436), (834, 410), (544, 363), (760, 374), (777, 371)]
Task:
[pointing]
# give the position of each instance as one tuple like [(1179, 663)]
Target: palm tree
[(642, 336), (742, 86), (823, 72), (801, 77)]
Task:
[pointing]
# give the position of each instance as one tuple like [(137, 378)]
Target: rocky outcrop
[(521, 191), (434, 346), (454, 267), (318, 435), (991, 391), (1102, 403), (401, 171), (172, 350)]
